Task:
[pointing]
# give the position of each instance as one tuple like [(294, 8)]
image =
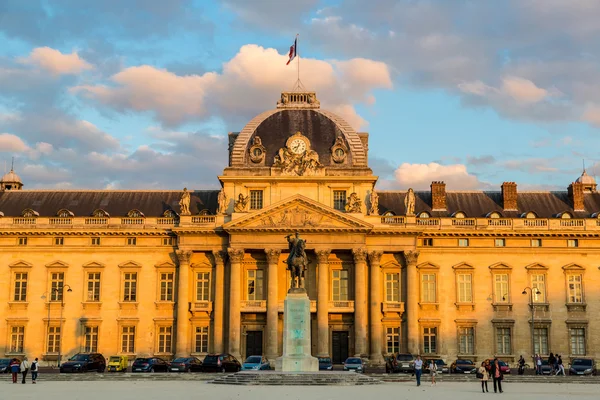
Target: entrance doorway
[(254, 343), (339, 345)]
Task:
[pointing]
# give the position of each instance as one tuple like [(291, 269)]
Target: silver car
[(355, 364)]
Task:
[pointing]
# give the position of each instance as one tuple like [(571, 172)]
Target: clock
[(297, 146)]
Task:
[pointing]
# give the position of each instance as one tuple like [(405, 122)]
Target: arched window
[(565, 215), (100, 213), (529, 214), (424, 214), (389, 214), (459, 214), (204, 212), (170, 214), (64, 213), (29, 213), (494, 214), (135, 214)]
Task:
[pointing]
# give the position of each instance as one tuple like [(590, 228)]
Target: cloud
[(11, 143), (271, 14), (482, 160), (531, 165), (420, 176), (56, 62), (592, 115), (523, 90)]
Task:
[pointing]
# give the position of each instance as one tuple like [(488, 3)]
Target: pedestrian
[(14, 369), (497, 376), (418, 369), (538, 364), (34, 370), (555, 365), (484, 376), (432, 371), (551, 360), (24, 368), (521, 365), (561, 368)]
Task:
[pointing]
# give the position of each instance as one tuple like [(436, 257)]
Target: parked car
[(355, 364), (84, 362), (504, 367), (220, 363), (463, 367), (546, 368), (117, 364), (325, 364), (149, 364), (185, 364), (4, 363), (256, 363), (405, 362), (442, 367), (582, 366)]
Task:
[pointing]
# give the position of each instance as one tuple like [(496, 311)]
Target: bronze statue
[(297, 261)]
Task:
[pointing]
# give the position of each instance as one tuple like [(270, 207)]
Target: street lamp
[(531, 293), (61, 290)]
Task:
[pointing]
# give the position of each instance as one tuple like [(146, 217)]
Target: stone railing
[(515, 224), (393, 220), (165, 221), (254, 306), (132, 221), (392, 306), (202, 306), (24, 221), (204, 219), (60, 221), (96, 221), (341, 306)]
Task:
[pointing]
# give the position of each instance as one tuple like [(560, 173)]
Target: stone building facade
[(166, 273)]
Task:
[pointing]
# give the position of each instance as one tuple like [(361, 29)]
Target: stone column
[(323, 303), (183, 318), (412, 299), (272, 304), (375, 307), (219, 299), (235, 298), (360, 301)]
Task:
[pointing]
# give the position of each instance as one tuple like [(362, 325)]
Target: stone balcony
[(202, 306), (392, 306), (253, 306), (109, 222), (509, 224)]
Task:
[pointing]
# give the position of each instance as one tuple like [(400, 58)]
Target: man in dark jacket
[(497, 376)]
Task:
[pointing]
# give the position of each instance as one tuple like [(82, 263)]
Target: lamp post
[(61, 290), (531, 293)]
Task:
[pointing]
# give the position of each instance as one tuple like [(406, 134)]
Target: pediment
[(298, 213)]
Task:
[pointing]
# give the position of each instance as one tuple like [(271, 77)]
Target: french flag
[(293, 51)]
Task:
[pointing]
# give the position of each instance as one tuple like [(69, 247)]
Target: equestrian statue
[(297, 262)]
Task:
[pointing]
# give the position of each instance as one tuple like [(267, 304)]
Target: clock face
[(298, 146)]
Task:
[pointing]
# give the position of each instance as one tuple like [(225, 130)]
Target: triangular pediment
[(298, 213)]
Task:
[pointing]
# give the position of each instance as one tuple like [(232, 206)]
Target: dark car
[(149, 364), (4, 363), (405, 362), (582, 366), (355, 364), (220, 363), (185, 364), (442, 367), (546, 368), (325, 364), (463, 367), (84, 362)]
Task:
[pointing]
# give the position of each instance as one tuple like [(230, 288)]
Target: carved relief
[(353, 204), (223, 202), (411, 257), (184, 256), (323, 256), (295, 218), (235, 255), (409, 202), (339, 151), (272, 255), (219, 256), (257, 151), (297, 158), (360, 255), (375, 257), (242, 203), (374, 203)]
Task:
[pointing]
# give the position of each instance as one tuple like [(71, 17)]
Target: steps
[(275, 378)]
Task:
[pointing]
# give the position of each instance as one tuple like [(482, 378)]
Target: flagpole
[(298, 55)]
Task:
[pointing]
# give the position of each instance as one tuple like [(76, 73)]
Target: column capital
[(411, 257), (272, 255), (184, 256), (220, 256), (323, 255), (360, 254), (235, 255), (375, 257)]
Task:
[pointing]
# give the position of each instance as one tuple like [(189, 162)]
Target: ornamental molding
[(339, 151), (130, 264), (220, 256), (375, 257), (57, 264), (184, 256), (323, 256), (297, 158), (273, 255), (257, 151), (235, 255), (411, 257), (360, 254)]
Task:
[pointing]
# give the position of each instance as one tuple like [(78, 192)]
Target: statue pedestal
[(296, 335)]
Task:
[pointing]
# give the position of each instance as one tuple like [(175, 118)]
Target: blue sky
[(141, 93)]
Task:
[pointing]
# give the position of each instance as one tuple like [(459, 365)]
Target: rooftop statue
[(184, 202), (409, 202)]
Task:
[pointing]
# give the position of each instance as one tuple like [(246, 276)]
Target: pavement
[(149, 390)]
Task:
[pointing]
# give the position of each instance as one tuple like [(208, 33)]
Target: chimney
[(438, 196), (576, 196), (509, 196)]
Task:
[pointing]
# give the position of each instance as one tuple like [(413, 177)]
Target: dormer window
[(565, 215), (424, 214), (135, 214), (29, 213), (100, 213), (530, 215), (64, 213), (170, 214), (494, 214), (389, 214), (459, 214)]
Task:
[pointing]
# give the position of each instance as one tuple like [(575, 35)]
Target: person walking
[(551, 360), (432, 371), (14, 369), (418, 369), (497, 376), (561, 368), (24, 369), (484, 376), (521, 365), (538, 364), (34, 370)]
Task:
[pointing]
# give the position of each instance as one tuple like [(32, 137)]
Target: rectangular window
[(575, 289), (465, 288), (466, 340), (53, 339), (393, 340), (430, 340), (164, 339), (536, 242), (201, 339), (255, 284), (392, 288), (427, 242), (538, 284), (503, 341), (20, 286), (57, 280), (573, 243), (203, 286), (168, 241), (22, 241), (501, 294), (428, 288), (166, 286), (577, 341), (128, 339), (339, 200), (93, 286), (17, 339), (540, 340), (131, 241), (130, 286), (95, 240), (90, 337), (339, 284), (463, 242), (59, 241), (256, 199), (500, 242)]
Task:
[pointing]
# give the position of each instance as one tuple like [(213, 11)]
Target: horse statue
[(297, 261)]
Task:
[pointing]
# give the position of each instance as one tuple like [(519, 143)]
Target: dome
[(11, 181), (586, 179)]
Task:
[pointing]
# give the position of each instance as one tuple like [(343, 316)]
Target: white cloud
[(592, 114), (12, 143), (56, 62), (523, 90), (420, 176)]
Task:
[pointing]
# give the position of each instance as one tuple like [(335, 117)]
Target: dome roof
[(11, 177), (586, 179)]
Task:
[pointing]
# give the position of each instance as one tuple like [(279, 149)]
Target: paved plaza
[(189, 389)]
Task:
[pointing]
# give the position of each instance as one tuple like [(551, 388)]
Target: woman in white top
[(432, 371)]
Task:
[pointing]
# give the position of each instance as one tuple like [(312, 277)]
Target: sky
[(140, 94)]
